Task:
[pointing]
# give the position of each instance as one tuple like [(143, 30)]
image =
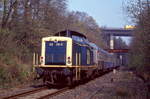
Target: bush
[(13, 72), (12, 58)]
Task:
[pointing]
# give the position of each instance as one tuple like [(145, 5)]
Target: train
[(69, 57)]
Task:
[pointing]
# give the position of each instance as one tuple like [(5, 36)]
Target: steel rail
[(25, 93), (54, 93)]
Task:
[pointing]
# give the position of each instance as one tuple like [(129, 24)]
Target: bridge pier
[(111, 42)]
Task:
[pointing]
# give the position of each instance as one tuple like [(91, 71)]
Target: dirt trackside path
[(119, 85)]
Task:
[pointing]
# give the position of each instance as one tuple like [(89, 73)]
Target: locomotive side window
[(88, 56), (77, 38)]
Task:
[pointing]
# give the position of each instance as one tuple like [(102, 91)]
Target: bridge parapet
[(118, 32)]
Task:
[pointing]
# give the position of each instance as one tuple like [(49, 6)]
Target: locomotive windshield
[(55, 53)]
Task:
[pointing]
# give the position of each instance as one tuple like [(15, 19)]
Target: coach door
[(78, 63), (78, 56), (78, 59)]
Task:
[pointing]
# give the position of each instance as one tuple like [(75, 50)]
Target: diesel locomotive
[(68, 56)]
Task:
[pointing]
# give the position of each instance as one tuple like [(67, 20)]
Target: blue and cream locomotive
[(68, 57)]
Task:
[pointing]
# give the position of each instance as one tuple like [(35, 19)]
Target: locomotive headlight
[(69, 60), (41, 59)]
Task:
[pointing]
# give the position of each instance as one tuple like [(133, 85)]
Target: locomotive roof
[(70, 33)]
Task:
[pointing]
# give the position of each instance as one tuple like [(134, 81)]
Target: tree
[(8, 6), (139, 11), (30, 20), (82, 22), (119, 44)]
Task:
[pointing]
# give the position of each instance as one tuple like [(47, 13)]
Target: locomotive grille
[(55, 53)]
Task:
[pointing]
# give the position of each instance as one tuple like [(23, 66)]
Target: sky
[(107, 13)]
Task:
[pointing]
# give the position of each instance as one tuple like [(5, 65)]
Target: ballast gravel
[(118, 84)]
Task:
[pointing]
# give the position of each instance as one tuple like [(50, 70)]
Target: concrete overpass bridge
[(108, 36)]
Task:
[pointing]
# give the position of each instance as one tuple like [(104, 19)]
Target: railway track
[(32, 94), (54, 93), (38, 94), (25, 93)]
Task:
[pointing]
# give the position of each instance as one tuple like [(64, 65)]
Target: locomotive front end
[(56, 59)]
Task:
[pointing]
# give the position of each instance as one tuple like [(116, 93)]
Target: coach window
[(88, 56)]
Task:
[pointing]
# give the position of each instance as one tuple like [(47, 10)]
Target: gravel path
[(119, 85)]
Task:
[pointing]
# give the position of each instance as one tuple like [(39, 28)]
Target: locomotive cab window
[(55, 53)]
